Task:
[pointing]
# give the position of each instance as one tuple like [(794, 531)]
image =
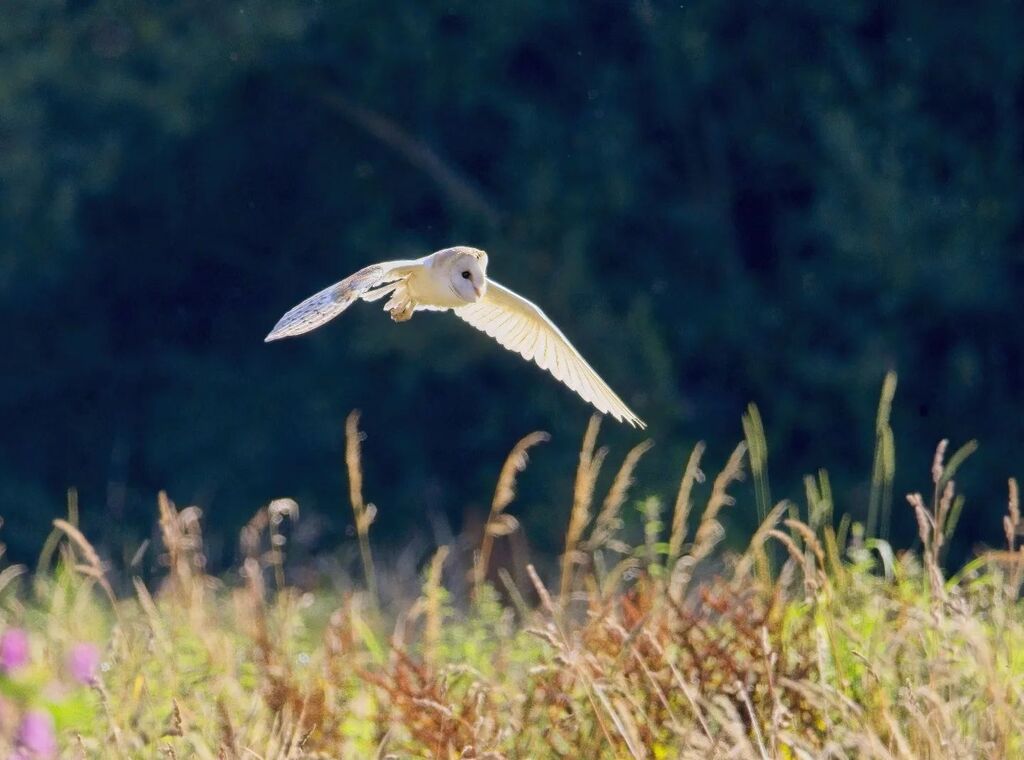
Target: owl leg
[(402, 313), (400, 306)]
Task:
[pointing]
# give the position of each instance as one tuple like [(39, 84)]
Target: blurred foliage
[(720, 203), (672, 648)]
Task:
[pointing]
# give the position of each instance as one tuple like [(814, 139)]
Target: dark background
[(718, 202)]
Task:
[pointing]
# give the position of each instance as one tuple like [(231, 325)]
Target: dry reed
[(500, 523), (364, 513), (836, 654)]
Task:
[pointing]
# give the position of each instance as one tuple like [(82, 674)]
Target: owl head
[(466, 270)]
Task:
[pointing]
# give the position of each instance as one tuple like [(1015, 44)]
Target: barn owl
[(456, 279)]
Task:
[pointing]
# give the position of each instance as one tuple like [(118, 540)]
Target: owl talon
[(402, 313)]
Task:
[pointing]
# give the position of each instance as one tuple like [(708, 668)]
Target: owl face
[(467, 274)]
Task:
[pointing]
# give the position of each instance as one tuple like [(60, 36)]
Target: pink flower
[(13, 650), (83, 661), (36, 735)]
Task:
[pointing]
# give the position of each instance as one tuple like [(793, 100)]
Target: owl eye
[(465, 275)]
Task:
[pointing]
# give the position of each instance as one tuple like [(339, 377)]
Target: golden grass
[(364, 513), (839, 648), (500, 523)]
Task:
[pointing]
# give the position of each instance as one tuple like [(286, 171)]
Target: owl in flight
[(456, 279)]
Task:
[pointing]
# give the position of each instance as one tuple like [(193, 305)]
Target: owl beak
[(479, 290)]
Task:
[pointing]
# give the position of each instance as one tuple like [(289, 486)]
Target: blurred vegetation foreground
[(816, 641)]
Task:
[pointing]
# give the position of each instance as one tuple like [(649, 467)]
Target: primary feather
[(330, 302), (520, 326)]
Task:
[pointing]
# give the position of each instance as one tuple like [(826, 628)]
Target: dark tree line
[(719, 202)]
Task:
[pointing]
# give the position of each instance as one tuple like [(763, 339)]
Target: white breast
[(432, 287)]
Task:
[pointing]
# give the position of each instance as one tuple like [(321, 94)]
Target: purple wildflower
[(13, 650), (83, 661), (36, 735)]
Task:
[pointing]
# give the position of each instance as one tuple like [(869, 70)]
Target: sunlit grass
[(817, 640)]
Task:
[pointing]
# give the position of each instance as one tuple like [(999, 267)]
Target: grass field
[(816, 641)]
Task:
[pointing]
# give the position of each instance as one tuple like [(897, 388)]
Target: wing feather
[(521, 342), (330, 302), (520, 326)]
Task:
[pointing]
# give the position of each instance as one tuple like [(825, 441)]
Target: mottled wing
[(330, 302), (520, 326)]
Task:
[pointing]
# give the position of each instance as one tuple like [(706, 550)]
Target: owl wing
[(521, 326), (330, 302)]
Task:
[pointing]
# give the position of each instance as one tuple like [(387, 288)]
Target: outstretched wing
[(330, 302), (520, 326)]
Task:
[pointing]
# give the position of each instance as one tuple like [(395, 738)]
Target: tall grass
[(666, 646), (884, 468), (364, 513)]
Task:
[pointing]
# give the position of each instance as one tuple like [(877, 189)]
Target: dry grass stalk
[(709, 530), (9, 574), (937, 461), (755, 555), (541, 589), (433, 607), (813, 560), (364, 513), (173, 540), (935, 525), (498, 522), (884, 466), (93, 566), (691, 475), (278, 511), (152, 614), (1011, 523), (228, 738), (1013, 527), (583, 496), (810, 540), (930, 533), (53, 539), (608, 522), (181, 531), (757, 449), (787, 541)]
